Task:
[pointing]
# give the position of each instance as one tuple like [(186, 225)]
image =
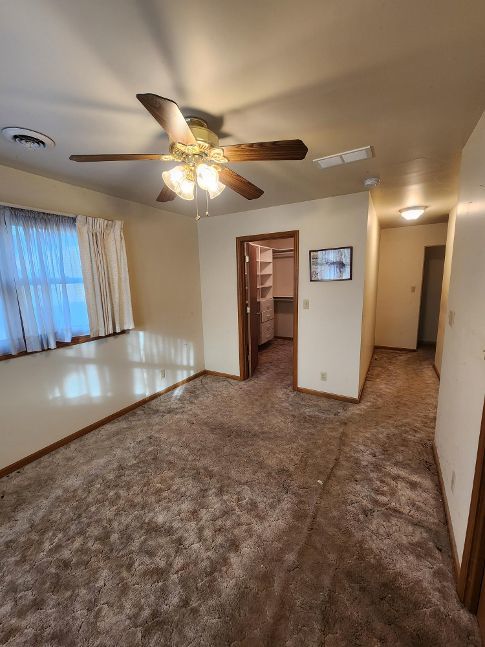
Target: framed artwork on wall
[(334, 264)]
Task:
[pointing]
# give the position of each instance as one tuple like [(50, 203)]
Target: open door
[(471, 581), (252, 307)]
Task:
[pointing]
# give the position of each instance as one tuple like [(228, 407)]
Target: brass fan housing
[(207, 146), (201, 131)]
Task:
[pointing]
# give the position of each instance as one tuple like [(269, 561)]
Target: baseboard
[(325, 394), (218, 374), (407, 350), (281, 337), (436, 371), (454, 552), (95, 425)]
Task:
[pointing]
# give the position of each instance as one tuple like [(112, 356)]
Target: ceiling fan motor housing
[(201, 131)]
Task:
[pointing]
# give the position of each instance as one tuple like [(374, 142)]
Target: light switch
[(451, 317), (413, 289), (306, 304)]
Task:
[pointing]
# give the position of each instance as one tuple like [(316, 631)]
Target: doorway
[(471, 580), (267, 284), (434, 260)]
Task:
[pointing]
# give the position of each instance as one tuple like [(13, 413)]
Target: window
[(42, 298)]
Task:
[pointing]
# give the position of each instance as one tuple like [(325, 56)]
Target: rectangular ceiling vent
[(347, 157)]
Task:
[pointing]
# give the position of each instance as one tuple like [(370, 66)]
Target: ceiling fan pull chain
[(197, 217), (207, 203)]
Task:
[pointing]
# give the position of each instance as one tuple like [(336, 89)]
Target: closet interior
[(273, 265)]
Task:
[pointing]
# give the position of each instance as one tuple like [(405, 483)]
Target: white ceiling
[(406, 77)]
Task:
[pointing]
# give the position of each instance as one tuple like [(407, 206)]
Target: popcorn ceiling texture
[(242, 515)]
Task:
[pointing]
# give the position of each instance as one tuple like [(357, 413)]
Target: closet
[(275, 280)]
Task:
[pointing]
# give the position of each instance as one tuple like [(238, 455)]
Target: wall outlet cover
[(323, 376), (162, 373)]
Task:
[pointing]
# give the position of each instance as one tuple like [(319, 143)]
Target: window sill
[(63, 344)]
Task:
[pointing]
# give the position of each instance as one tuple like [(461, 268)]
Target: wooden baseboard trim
[(324, 394), (454, 552), (407, 350), (218, 374), (281, 337), (95, 425), (436, 371)]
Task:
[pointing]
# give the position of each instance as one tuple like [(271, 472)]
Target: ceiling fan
[(202, 160)]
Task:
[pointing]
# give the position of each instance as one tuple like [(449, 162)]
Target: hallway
[(253, 515)]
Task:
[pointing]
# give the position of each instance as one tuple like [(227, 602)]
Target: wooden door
[(253, 306), (481, 611)]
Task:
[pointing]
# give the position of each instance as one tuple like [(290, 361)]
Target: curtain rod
[(54, 213)]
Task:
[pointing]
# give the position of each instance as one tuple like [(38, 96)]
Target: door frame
[(472, 568), (241, 292)]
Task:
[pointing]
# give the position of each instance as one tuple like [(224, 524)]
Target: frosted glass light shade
[(208, 179), (179, 180), (412, 213)]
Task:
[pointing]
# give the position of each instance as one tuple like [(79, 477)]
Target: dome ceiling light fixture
[(201, 162), (29, 139), (412, 213)]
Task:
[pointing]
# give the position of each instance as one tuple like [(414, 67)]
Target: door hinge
[(248, 310), (247, 259)]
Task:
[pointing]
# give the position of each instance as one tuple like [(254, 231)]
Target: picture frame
[(331, 264)]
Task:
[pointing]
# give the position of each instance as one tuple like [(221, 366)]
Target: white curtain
[(105, 271), (40, 281)]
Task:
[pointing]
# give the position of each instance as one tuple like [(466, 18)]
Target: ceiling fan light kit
[(201, 161)]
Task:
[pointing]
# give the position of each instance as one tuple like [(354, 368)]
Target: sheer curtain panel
[(41, 282), (105, 272)]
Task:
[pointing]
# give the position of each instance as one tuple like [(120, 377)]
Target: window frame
[(75, 341)]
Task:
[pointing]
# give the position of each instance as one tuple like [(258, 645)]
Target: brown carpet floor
[(239, 514)]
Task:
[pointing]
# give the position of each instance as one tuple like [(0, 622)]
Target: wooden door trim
[(473, 560), (242, 321)]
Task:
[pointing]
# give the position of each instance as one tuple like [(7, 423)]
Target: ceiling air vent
[(347, 157), (26, 138)]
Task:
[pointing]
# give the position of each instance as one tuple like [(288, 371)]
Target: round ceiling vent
[(29, 139)]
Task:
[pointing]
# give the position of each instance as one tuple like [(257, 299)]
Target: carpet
[(242, 515)]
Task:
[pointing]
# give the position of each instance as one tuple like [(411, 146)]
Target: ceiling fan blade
[(166, 195), (113, 158), (168, 115), (239, 184), (288, 149)]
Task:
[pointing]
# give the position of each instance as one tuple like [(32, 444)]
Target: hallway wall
[(370, 293), (462, 385), (450, 238), (401, 261), (330, 330)]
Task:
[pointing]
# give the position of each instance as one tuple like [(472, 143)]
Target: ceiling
[(405, 77)]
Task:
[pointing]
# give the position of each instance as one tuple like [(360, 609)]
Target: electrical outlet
[(453, 481), (306, 304), (162, 373), (323, 376)]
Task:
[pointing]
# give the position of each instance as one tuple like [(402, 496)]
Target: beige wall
[(462, 385), (47, 396), (444, 290), (370, 293), (330, 330), (401, 258)]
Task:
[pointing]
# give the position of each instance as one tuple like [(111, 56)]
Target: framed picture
[(334, 264)]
